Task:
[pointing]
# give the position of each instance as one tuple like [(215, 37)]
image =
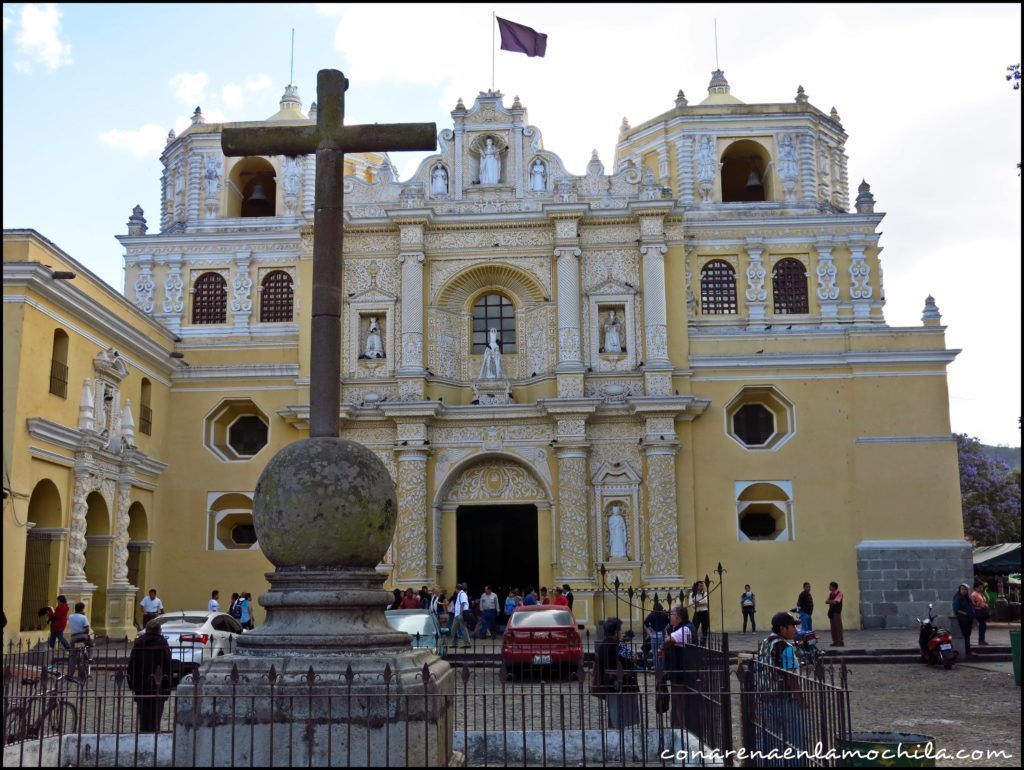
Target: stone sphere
[(325, 502)]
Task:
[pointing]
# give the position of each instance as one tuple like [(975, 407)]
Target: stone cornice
[(411, 410), (75, 440), (844, 359), (567, 407), (683, 407), (122, 332), (237, 371)]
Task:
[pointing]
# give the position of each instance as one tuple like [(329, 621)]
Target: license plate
[(945, 647), (542, 659)]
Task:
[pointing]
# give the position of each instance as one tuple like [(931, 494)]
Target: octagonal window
[(236, 430), (247, 435), (754, 424), (764, 510), (760, 417), (243, 534), (757, 526), (229, 522)]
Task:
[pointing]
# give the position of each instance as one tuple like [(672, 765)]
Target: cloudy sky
[(90, 91)]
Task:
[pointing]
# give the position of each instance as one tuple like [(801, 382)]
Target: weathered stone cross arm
[(330, 139)]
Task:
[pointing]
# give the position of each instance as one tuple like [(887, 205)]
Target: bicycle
[(59, 713), (80, 660)]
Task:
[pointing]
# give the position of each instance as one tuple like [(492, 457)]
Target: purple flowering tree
[(990, 495)]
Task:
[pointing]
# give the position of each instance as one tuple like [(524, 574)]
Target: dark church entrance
[(496, 545)]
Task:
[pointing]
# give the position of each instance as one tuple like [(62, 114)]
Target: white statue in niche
[(491, 369), (612, 334), (787, 159), (616, 532), (439, 181), (490, 163), (374, 346), (538, 176)]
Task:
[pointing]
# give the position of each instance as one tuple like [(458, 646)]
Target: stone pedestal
[(324, 681), (492, 392), (120, 609)]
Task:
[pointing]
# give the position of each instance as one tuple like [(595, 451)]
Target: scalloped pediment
[(489, 275)]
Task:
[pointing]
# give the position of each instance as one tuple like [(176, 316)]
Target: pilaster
[(684, 168), (195, 168), (660, 449), (808, 186), (413, 526), (241, 293), (828, 292), (860, 281), (756, 293)]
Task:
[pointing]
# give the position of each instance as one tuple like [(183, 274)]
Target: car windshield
[(542, 619), (182, 620), (412, 624)]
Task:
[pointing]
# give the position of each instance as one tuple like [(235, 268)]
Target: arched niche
[(245, 176), (44, 540), (744, 162)]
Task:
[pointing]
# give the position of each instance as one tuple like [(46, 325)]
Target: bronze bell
[(753, 181), (258, 195)]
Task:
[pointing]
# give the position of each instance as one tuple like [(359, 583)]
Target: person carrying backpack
[(776, 676), (233, 609)]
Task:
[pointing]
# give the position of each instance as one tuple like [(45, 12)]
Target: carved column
[(808, 187), (308, 190), (569, 332), (195, 170), (120, 544), (860, 281), (828, 292), (411, 533), (684, 161), (662, 513), (757, 294), (573, 548), (76, 538), (655, 316), (412, 313)]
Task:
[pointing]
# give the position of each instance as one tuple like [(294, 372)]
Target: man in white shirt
[(459, 624), (213, 605), (151, 607)]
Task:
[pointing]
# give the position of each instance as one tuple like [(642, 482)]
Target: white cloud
[(181, 123), (329, 9), (7, 23), (190, 87), (232, 97), (258, 82), (146, 142), (38, 38)]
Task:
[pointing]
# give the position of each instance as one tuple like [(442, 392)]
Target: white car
[(195, 636)]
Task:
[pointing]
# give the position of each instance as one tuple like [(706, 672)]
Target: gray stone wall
[(899, 578)]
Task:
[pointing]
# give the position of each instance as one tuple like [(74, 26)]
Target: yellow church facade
[(636, 374)]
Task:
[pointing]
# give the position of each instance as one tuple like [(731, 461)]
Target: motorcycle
[(806, 647), (934, 643)]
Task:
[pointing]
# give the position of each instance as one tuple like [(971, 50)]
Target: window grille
[(58, 379), (210, 300), (494, 311), (789, 287), (276, 297), (718, 288), (145, 420)]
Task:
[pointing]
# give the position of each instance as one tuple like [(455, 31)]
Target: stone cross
[(330, 139)]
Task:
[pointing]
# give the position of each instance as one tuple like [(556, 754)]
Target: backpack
[(236, 610), (767, 662)]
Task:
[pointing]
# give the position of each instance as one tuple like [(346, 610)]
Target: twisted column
[(120, 543), (76, 537)]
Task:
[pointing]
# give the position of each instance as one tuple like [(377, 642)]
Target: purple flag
[(521, 39)]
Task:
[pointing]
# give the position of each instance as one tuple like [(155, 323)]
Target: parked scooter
[(934, 643), (805, 645)]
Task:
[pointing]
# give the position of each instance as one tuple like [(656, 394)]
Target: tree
[(990, 495), (1014, 77)]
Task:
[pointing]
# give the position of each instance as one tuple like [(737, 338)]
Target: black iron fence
[(67, 710)]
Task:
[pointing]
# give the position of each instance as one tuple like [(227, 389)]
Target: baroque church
[(671, 362)]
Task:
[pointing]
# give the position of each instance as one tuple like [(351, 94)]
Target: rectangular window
[(145, 420), (58, 379)]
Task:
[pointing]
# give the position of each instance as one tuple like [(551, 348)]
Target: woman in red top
[(560, 600), (58, 618)]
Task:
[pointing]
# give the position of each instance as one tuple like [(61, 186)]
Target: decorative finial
[(516, 104), (801, 95), (681, 99), (865, 202), (718, 84), (137, 222), (930, 315), (459, 105), (290, 99), (835, 115), (625, 125), (197, 117), (170, 136), (312, 111), (595, 167)]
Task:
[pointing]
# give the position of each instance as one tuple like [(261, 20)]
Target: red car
[(542, 635)]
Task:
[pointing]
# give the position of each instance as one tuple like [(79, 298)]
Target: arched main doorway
[(497, 528), (42, 553)]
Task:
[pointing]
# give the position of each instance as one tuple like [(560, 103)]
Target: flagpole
[(493, 22)]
